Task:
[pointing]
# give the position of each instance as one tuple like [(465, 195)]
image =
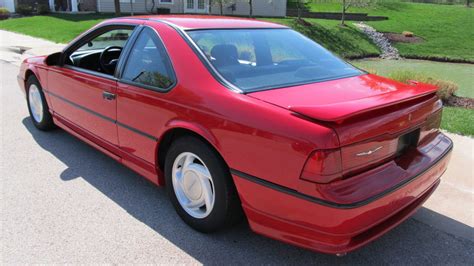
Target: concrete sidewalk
[(15, 47), (454, 199)]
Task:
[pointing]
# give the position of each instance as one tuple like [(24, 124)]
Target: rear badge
[(366, 153)]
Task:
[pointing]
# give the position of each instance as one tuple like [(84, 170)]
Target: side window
[(101, 53), (117, 37), (148, 63)]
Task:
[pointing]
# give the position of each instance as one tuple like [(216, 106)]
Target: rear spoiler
[(341, 111)]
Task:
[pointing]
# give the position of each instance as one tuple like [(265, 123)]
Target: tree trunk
[(117, 7), (298, 7), (343, 15), (251, 7), (221, 6), (468, 3)]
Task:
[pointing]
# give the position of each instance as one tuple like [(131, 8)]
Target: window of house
[(148, 63)]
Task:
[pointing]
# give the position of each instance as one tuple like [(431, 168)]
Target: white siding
[(261, 8), (139, 6)]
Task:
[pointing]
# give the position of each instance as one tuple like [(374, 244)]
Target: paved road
[(64, 202)]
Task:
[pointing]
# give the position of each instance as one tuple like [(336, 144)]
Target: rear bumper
[(332, 227)]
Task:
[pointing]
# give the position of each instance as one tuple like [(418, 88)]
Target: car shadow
[(411, 241)]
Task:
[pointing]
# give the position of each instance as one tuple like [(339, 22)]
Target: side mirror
[(53, 59)]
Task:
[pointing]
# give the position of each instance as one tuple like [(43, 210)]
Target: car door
[(81, 91), (142, 105)]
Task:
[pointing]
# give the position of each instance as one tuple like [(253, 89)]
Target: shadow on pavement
[(413, 241)]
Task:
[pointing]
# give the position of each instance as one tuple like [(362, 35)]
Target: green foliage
[(446, 89), (458, 120), (4, 11), (25, 10)]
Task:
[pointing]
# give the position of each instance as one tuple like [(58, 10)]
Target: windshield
[(259, 59)]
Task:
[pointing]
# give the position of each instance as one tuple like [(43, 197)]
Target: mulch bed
[(464, 102), (397, 37)]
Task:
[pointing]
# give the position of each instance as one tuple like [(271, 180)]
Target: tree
[(468, 3), (298, 7), (346, 4), (117, 7), (221, 4)]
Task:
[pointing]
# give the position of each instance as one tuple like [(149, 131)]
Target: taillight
[(323, 166)]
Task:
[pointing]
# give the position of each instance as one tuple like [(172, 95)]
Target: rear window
[(260, 59)]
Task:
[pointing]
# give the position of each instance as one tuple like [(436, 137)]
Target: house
[(267, 8)]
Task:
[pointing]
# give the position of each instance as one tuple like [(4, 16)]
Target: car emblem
[(369, 152)]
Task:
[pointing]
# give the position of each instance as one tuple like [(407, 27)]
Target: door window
[(101, 52), (148, 63)]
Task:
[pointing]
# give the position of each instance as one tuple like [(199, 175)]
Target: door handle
[(108, 95)]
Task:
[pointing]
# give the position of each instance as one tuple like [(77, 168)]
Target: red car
[(245, 118)]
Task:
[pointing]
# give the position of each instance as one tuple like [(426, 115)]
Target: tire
[(226, 209), (37, 105)]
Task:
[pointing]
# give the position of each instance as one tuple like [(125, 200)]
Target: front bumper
[(335, 227)]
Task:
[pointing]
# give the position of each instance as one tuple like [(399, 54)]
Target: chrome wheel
[(36, 103), (193, 185)]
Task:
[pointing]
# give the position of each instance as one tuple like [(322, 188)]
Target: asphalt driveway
[(62, 201)]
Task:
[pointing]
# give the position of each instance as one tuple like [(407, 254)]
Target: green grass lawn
[(461, 74), (346, 42), (60, 28), (447, 30), (458, 120)]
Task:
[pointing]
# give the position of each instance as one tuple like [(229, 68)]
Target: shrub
[(408, 34), (43, 9), (446, 89), (25, 10), (4, 13)]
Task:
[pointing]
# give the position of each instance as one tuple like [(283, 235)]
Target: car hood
[(336, 100)]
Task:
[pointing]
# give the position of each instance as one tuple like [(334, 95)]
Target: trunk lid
[(376, 119), (340, 99)]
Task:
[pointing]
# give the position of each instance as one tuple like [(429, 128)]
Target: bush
[(43, 9), (25, 10), (4, 13), (446, 89)]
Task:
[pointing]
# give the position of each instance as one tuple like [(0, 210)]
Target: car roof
[(194, 22)]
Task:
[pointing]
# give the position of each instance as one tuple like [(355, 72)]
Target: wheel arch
[(180, 129), (32, 71)]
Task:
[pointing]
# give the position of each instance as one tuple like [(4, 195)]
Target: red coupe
[(245, 118)]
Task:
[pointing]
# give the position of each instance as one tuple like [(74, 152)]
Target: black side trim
[(102, 116), (136, 131), (302, 196), (80, 106)]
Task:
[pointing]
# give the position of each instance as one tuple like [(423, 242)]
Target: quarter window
[(148, 64)]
